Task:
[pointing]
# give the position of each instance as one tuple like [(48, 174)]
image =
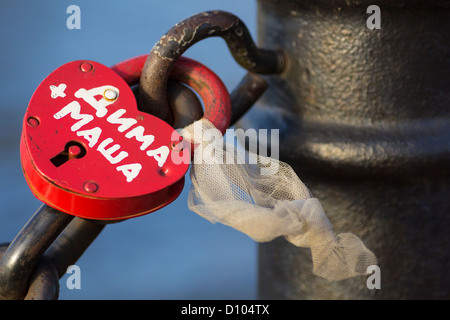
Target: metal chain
[(25, 272)]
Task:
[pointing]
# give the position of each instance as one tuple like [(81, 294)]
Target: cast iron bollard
[(364, 120)]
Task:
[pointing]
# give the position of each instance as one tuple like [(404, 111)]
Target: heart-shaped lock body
[(88, 151)]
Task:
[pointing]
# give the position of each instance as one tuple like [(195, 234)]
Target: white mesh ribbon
[(265, 199)]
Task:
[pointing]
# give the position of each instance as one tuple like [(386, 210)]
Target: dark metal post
[(364, 117)]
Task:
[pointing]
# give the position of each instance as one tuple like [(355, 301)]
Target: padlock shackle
[(211, 89), (130, 69), (201, 79), (184, 104), (178, 39)]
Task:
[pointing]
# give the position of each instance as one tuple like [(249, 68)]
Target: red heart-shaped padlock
[(88, 151)]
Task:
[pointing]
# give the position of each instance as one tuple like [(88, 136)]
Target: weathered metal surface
[(188, 32), (364, 120), (210, 88), (246, 93), (184, 104), (72, 243), (26, 250), (43, 283)]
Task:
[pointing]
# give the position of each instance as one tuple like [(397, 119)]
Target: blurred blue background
[(170, 254)]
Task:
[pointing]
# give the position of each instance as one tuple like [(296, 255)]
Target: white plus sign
[(58, 91)]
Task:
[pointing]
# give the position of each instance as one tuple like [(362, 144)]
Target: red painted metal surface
[(131, 69), (211, 89), (86, 150)]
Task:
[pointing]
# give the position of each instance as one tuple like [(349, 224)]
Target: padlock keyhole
[(72, 150)]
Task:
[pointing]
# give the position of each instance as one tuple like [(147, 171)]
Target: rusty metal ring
[(155, 73), (43, 283)]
